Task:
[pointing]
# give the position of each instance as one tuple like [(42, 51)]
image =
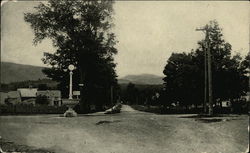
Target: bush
[(166, 110), (30, 109)]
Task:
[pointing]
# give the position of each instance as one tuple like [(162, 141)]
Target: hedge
[(30, 109)]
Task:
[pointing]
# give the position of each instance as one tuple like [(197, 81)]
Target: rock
[(114, 109)]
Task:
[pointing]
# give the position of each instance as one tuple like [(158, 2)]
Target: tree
[(182, 81), (245, 69), (184, 73), (42, 87), (131, 94), (81, 33), (227, 74)]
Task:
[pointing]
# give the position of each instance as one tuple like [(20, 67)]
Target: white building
[(27, 93)]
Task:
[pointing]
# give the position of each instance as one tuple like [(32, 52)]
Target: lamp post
[(71, 68), (70, 102)]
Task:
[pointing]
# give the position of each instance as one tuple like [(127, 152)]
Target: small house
[(13, 97), (28, 95), (54, 96)]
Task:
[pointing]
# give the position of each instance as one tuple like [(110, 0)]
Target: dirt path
[(130, 131)]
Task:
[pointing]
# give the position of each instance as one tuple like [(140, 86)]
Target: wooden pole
[(205, 80), (210, 94), (208, 72)]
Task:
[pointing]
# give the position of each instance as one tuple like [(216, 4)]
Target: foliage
[(184, 72), (131, 93), (245, 69), (138, 93), (81, 32), (182, 79), (31, 109), (43, 87)]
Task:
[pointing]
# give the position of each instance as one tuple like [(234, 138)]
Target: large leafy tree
[(81, 33), (184, 80), (245, 69)]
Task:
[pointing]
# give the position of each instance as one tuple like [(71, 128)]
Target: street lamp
[(71, 68), (70, 102)]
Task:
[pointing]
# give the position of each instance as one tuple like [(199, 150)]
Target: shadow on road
[(105, 122), (208, 116), (215, 118)]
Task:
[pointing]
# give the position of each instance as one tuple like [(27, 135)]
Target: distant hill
[(149, 79), (12, 72), (123, 81)]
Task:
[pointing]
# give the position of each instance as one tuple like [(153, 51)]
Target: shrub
[(30, 109)]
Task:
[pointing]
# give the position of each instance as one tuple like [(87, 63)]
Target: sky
[(148, 32)]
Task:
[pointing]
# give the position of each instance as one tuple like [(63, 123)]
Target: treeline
[(141, 94)]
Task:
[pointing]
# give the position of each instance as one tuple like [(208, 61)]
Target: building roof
[(14, 94), (49, 93), (28, 92), (3, 96)]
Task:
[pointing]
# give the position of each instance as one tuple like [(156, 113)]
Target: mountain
[(12, 72), (123, 81), (149, 79)]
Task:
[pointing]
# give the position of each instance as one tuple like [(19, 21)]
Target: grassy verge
[(183, 110)]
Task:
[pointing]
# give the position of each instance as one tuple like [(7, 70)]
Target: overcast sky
[(148, 32)]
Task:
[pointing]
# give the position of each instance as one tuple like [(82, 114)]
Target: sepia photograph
[(124, 76)]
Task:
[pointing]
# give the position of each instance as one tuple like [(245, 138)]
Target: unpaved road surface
[(130, 131)]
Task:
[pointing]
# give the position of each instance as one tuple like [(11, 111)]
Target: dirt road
[(130, 131)]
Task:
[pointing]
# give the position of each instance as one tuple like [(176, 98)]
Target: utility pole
[(208, 71), (209, 67), (205, 82)]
